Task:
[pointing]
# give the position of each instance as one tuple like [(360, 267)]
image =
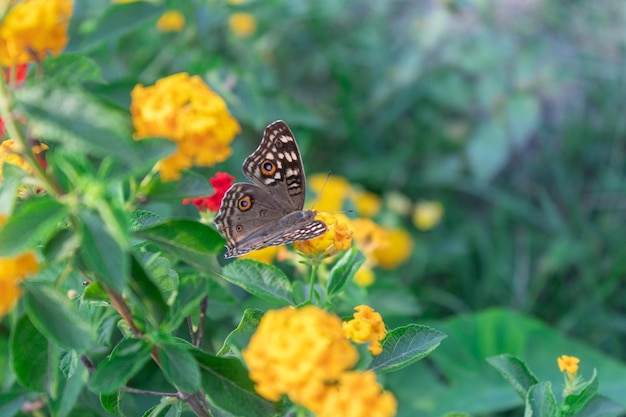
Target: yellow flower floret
[(184, 110), (427, 214), (367, 326), (338, 236), (33, 28), (397, 250), (367, 204), (568, 364), (242, 24), (296, 351), (364, 276), (356, 394), (335, 190), (171, 21), (14, 269)]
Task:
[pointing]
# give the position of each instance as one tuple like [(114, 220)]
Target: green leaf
[(406, 345), (189, 185), (81, 122), (572, 404), (240, 337), (600, 406), (62, 246), (146, 295), (540, 401), (344, 270), (56, 316), (523, 115), (12, 176), (260, 279), (70, 390), (179, 366), (112, 402), (127, 358), (32, 223), (191, 290), (515, 371), (71, 69), (488, 150), (121, 19), (152, 150), (11, 403), (191, 241), (225, 381), (29, 355), (102, 254)]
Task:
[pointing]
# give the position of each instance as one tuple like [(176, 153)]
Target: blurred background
[(507, 114)]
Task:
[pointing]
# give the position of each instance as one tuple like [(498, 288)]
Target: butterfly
[(268, 212)]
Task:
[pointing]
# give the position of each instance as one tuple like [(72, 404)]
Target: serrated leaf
[(239, 338), (127, 358), (260, 279), (601, 406), (152, 150), (343, 270), (193, 242), (406, 345), (29, 355), (189, 185), (540, 401), (69, 392), (143, 219), (191, 290), (515, 371), (112, 403), (225, 381), (54, 315), (180, 367), (12, 176), (72, 69), (77, 120), (32, 223), (102, 254)]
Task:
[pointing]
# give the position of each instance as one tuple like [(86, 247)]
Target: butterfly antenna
[(319, 194)]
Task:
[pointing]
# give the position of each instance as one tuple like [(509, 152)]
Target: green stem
[(314, 267), (16, 135)]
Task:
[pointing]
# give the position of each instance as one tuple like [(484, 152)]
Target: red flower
[(220, 182)]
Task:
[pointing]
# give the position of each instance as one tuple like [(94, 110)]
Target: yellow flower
[(364, 276), (33, 28), (14, 269), (338, 236), (242, 24), (335, 191), (235, 2), (171, 21), (368, 237), (356, 394), (398, 249), (9, 153), (367, 326), (367, 204), (265, 255), (427, 214), (184, 110), (569, 364), (296, 352)]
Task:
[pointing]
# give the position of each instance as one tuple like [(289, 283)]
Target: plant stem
[(314, 267)]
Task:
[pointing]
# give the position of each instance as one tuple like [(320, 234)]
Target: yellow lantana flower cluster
[(184, 110), (242, 24), (303, 353), (367, 326), (14, 269), (33, 28)]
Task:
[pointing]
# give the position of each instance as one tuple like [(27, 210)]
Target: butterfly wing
[(276, 166), (249, 221)]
